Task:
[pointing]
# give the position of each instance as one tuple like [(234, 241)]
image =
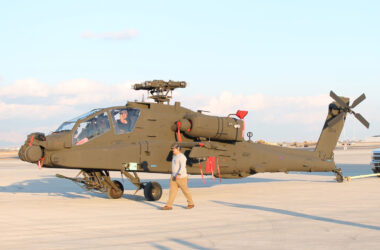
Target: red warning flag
[(31, 141), (200, 167), (241, 114), (41, 163), (217, 164), (210, 165), (213, 167), (179, 138)]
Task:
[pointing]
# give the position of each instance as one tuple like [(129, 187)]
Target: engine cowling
[(212, 127)]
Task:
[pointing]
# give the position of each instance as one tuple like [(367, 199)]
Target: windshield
[(91, 129), (68, 126)]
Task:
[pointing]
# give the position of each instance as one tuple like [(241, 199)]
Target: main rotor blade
[(335, 120), (362, 120), (338, 99), (358, 101)]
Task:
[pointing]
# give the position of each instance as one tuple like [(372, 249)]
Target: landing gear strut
[(339, 175), (152, 190), (98, 181)]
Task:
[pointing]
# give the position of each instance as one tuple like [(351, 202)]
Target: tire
[(376, 170), (115, 194), (153, 191), (339, 178), (338, 174)]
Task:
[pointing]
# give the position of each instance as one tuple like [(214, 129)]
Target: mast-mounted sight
[(160, 91)]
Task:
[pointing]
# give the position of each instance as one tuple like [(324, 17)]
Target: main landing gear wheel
[(113, 193), (152, 191)]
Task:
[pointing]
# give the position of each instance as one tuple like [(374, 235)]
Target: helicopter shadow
[(51, 186), (210, 182), (347, 169)]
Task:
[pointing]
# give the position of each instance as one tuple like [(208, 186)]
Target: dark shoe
[(166, 208), (190, 206)]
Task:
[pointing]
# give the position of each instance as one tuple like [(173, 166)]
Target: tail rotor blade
[(345, 108), (338, 99), (335, 120), (358, 101), (362, 120)]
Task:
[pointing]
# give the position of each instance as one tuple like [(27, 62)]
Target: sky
[(277, 59)]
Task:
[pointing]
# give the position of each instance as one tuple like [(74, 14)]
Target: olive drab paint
[(137, 138)]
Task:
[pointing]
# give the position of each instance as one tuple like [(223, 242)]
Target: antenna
[(158, 90)]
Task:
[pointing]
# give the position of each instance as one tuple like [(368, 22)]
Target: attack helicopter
[(137, 137)]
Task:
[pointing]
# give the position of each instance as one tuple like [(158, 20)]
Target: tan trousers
[(182, 184)]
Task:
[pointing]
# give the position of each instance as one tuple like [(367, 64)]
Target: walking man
[(179, 179)]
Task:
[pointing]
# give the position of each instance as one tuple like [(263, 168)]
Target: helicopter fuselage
[(146, 147), (138, 138)]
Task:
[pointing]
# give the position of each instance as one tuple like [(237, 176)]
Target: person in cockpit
[(124, 122)]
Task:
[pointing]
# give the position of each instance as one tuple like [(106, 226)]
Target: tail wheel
[(153, 191), (113, 193), (339, 178), (338, 174)]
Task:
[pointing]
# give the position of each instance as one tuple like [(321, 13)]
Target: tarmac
[(265, 211)]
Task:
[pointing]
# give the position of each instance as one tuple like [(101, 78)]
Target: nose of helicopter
[(30, 154), (31, 151)]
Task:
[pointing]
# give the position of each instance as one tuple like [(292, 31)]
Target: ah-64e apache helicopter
[(137, 138)]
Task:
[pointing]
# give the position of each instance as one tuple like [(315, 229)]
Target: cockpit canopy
[(69, 125), (97, 122), (91, 128)]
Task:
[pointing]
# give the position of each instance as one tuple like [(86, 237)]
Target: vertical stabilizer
[(334, 124), (331, 131)]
